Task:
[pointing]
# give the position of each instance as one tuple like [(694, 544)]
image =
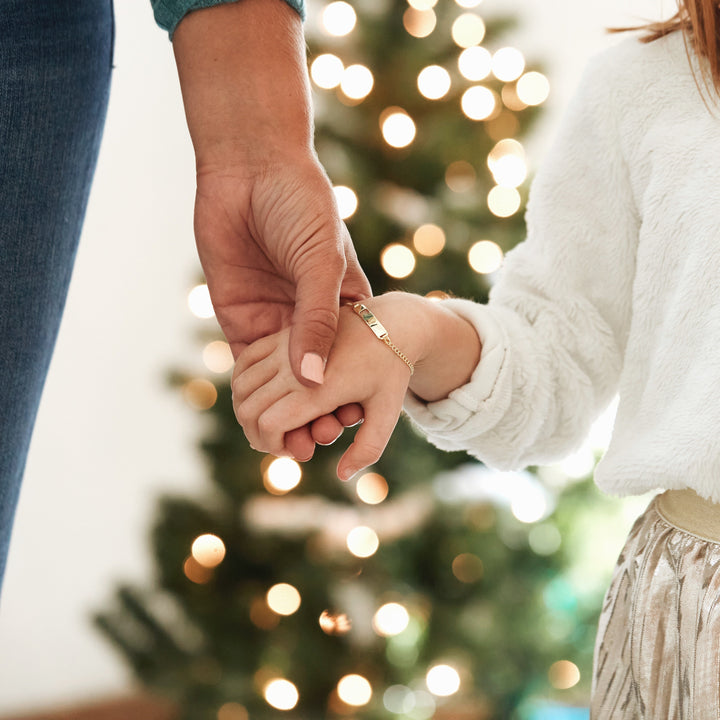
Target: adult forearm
[(243, 75)]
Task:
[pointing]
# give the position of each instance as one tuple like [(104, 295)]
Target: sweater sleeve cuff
[(168, 13), (440, 420)]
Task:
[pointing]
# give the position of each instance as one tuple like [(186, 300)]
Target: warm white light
[(199, 302), (509, 171), (429, 240), (485, 256), (478, 102), (357, 82), (422, 4), (281, 694), (208, 550), (433, 82), (371, 488), (508, 64), (390, 619), (419, 23), (508, 146), (347, 201), (398, 129), (529, 507), (200, 393), (475, 63), (283, 474), (327, 70), (503, 202), (510, 98), (442, 680), (460, 176), (217, 356), (564, 674), (354, 690), (282, 598), (468, 30), (232, 711), (397, 260), (533, 88), (339, 18), (468, 3), (334, 623), (362, 541)]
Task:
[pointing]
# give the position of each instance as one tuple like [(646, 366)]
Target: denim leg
[(55, 66)]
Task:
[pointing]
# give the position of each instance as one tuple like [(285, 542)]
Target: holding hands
[(270, 403)]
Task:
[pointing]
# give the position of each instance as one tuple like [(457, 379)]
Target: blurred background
[(488, 585)]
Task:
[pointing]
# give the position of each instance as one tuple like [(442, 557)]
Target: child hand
[(269, 402)]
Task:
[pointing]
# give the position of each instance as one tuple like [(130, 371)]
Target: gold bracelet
[(377, 327)]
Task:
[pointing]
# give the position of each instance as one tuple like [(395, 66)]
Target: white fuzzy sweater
[(615, 289)]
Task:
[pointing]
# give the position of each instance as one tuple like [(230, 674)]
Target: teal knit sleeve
[(168, 13)]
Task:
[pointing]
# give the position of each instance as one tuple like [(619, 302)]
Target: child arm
[(443, 348)]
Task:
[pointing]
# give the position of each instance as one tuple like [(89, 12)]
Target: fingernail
[(312, 367), (346, 474)]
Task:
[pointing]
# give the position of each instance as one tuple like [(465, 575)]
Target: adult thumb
[(314, 322)]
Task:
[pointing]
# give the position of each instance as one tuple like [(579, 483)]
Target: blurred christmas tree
[(431, 586)]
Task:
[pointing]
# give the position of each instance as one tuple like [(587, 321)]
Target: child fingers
[(254, 353), (326, 430), (350, 415), (300, 443), (253, 379), (381, 416)]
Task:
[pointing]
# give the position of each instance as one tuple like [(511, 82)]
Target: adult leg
[(55, 66)]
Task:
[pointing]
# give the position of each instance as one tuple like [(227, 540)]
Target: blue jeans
[(55, 67)]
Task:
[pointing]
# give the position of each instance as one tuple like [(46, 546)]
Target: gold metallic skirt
[(657, 654)]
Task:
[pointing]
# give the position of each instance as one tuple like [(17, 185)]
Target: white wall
[(109, 433)]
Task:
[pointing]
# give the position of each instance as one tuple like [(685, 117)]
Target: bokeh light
[(510, 98), (529, 506), (347, 201), (334, 623), (460, 176), (533, 88), (208, 550), (544, 539), (357, 81), (485, 256), (508, 64), (354, 690), (327, 71), (422, 4), (419, 23), (195, 572), (433, 82), (217, 356), (261, 615), (468, 3), (372, 488), (281, 694), (564, 674), (468, 30), (442, 680), (397, 260), (199, 302), (398, 128), (509, 171), (429, 240), (339, 18), (232, 711), (390, 619), (283, 598), (507, 146), (282, 475), (467, 568), (475, 63), (478, 102), (199, 393), (362, 541), (503, 202)]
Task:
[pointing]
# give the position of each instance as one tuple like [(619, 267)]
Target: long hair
[(699, 21)]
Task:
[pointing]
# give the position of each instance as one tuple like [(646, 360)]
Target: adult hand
[(274, 250)]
